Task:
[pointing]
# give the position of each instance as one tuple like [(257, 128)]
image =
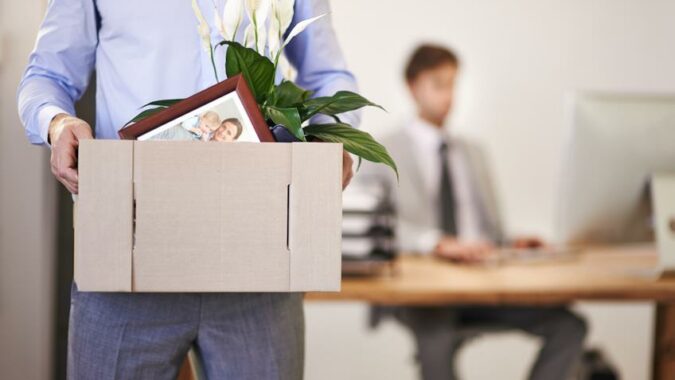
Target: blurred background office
[(521, 59)]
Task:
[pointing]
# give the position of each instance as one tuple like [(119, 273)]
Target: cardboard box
[(182, 216)]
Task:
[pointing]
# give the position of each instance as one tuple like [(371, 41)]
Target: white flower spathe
[(284, 13), (203, 27), (286, 69), (299, 28), (257, 11), (249, 36), (218, 21), (261, 36), (280, 19), (233, 15)]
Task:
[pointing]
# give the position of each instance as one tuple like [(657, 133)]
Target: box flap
[(211, 216), (316, 216), (104, 216)]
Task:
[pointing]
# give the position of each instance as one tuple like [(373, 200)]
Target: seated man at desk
[(445, 207)]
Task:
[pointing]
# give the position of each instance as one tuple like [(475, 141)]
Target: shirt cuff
[(45, 117), (427, 240)]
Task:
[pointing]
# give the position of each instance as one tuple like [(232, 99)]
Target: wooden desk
[(601, 274)]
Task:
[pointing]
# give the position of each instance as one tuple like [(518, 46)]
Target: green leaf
[(354, 141), (257, 69), (163, 103), (289, 118), (288, 94), (342, 101), (145, 114)]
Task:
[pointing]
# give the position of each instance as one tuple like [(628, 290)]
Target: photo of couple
[(223, 120)]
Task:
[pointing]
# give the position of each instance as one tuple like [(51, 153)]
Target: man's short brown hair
[(428, 57)]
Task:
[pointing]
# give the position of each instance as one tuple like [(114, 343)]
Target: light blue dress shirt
[(145, 50)]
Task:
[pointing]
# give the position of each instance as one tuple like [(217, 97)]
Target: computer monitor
[(663, 195), (616, 143)]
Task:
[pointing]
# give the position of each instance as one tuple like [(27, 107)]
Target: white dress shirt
[(426, 142)]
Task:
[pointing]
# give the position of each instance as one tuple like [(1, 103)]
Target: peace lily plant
[(258, 54)]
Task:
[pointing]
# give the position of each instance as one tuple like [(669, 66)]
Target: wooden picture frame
[(243, 100)]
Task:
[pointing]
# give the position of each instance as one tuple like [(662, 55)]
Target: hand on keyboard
[(464, 252)]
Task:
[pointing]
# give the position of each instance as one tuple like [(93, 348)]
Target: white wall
[(520, 58), (26, 213)]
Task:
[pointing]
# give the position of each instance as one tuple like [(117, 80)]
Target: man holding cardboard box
[(142, 52)]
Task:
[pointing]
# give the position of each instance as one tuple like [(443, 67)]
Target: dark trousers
[(440, 331)]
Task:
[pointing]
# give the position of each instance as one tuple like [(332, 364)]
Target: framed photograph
[(225, 112)]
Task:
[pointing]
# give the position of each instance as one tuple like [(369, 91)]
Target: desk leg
[(664, 342)]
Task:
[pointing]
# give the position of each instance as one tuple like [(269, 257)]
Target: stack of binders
[(368, 231)]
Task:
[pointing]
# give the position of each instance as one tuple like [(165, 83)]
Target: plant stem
[(213, 63), (276, 60), (255, 27)]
